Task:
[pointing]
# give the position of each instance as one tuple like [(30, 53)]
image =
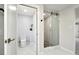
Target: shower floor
[(26, 51), (56, 50)]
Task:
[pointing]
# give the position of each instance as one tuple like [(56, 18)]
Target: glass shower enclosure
[(51, 29)]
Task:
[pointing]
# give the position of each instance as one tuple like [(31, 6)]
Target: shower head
[(48, 14)]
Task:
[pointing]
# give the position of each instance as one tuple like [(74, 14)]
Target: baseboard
[(72, 52)]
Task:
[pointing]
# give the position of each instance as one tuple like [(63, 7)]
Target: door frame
[(40, 27)]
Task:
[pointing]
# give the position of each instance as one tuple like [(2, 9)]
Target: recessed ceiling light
[(12, 7), (25, 10)]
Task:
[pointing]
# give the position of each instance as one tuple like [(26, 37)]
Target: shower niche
[(51, 29)]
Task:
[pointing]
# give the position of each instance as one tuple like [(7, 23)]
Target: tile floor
[(57, 50)]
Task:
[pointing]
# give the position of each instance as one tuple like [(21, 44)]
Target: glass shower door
[(26, 30), (54, 30), (51, 30)]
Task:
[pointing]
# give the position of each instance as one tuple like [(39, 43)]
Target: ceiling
[(24, 10), (57, 7)]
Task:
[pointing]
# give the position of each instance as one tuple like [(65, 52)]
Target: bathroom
[(44, 29)]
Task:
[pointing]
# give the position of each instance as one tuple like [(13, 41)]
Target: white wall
[(1, 31), (67, 37)]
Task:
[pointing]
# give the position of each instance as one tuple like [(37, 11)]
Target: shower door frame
[(36, 10)]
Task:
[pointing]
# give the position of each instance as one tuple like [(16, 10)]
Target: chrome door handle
[(9, 40)]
